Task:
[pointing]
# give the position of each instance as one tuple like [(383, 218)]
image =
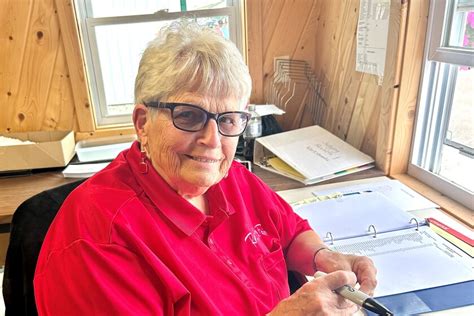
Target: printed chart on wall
[(372, 34)]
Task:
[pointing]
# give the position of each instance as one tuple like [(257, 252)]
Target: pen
[(359, 298)]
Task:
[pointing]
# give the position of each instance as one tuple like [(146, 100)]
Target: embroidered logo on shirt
[(255, 233)]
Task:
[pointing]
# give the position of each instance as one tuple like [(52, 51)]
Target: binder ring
[(329, 235), (416, 221), (372, 227)]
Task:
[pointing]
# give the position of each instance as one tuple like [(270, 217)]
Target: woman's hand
[(364, 269), (317, 297)]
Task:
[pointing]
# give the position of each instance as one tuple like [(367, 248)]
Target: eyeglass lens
[(193, 119)]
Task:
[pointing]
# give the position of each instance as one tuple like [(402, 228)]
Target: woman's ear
[(139, 119)]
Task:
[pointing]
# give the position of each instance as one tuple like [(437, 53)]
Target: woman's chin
[(196, 185)]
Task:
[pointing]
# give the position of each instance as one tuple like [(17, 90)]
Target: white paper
[(268, 109), (83, 170), (400, 194), (411, 260), (312, 151), (372, 34), (351, 216)]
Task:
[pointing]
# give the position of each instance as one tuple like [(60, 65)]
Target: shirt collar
[(179, 211)]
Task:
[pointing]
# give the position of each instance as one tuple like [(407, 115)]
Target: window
[(443, 147), (114, 33)]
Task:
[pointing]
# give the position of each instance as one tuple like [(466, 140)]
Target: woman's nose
[(210, 135)]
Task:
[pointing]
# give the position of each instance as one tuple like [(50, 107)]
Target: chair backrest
[(29, 225)]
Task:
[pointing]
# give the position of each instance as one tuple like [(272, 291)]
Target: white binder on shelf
[(309, 155)]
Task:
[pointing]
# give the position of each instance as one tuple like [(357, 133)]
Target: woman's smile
[(204, 159)]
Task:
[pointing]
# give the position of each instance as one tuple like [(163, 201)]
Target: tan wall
[(323, 33), (42, 80), (35, 87)]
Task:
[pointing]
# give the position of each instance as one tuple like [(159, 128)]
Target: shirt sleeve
[(99, 279)]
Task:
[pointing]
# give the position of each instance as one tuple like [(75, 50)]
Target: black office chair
[(29, 226), (30, 223)]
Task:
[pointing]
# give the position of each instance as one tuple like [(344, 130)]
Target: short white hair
[(188, 58)]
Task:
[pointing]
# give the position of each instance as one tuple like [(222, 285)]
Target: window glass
[(443, 146), (456, 152), (115, 33), (125, 42), (462, 29), (110, 8)]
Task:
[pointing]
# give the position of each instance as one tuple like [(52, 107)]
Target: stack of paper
[(408, 255), (309, 155), (83, 170)]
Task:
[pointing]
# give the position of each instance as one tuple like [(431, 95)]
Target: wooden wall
[(323, 33), (43, 86), (36, 92)]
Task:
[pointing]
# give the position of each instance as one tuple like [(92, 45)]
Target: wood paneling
[(412, 55), (361, 108), (35, 88), (15, 17), (43, 85), (75, 62)]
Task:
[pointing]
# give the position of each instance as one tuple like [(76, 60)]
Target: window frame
[(87, 24), (435, 103)]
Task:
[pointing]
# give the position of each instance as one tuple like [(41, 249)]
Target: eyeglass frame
[(209, 115)]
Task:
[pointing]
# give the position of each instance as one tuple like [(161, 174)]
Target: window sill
[(105, 133), (449, 206)]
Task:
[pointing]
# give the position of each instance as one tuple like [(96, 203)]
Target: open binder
[(408, 255), (309, 155)]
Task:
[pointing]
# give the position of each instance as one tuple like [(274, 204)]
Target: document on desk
[(408, 255), (356, 215), (410, 260), (309, 155), (83, 170), (404, 197)]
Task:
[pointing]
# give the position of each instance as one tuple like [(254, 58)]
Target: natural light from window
[(115, 33), (443, 149)]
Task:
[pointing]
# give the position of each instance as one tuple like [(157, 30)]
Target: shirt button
[(229, 262), (211, 242)]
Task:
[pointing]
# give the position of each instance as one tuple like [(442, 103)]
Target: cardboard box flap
[(40, 136), (50, 149)]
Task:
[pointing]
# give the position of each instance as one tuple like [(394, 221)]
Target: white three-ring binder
[(408, 255)]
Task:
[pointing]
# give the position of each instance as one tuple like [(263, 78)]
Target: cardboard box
[(51, 149)]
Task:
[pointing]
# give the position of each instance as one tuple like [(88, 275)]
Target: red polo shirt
[(126, 243)]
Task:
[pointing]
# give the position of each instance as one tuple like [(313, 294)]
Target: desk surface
[(16, 189)]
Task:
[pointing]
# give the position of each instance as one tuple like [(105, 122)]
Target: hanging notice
[(372, 33)]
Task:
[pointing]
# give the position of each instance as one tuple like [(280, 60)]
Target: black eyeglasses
[(192, 118)]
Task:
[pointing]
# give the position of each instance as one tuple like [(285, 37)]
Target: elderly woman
[(173, 225)]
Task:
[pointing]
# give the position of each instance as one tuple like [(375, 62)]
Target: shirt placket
[(213, 244)]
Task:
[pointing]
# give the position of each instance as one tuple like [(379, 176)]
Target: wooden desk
[(292, 195), (16, 189), (280, 183)]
